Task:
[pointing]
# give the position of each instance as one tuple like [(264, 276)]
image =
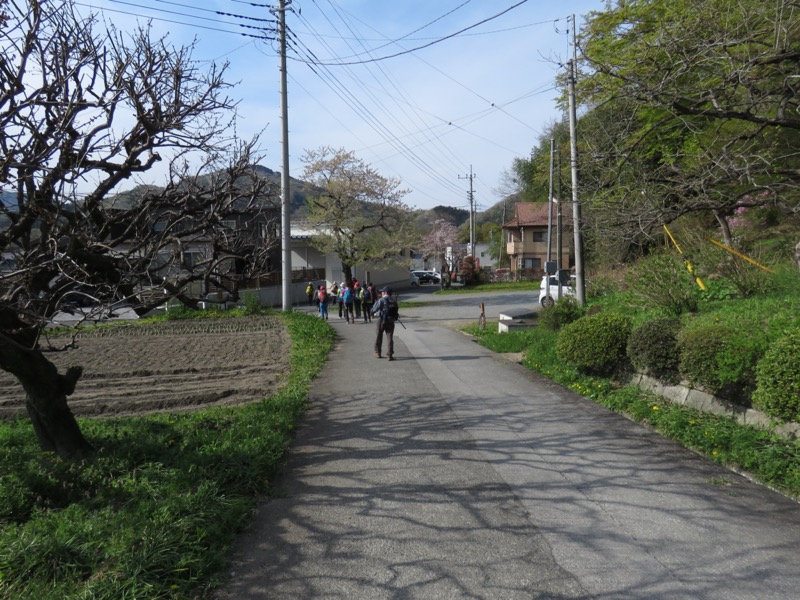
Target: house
[(527, 236)]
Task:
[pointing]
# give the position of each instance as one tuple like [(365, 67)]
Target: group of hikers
[(359, 301)]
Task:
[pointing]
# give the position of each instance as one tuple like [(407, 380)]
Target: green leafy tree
[(358, 214), (693, 106)]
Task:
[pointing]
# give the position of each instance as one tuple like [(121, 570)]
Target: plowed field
[(174, 366)]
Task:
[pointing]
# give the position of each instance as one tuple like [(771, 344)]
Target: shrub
[(737, 362), (595, 344), (662, 281), (252, 304), (721, 359), (653, 350), (563, 312), (698, 349), (777, 390)]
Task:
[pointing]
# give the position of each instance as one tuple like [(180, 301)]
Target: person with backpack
[(348, 299), (310, 292), (366, 302), (386, 309), (323, 303), (357, 298), (334, 293)]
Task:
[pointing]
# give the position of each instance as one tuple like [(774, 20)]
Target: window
[(532, 263), (539, 236), (192, 259)]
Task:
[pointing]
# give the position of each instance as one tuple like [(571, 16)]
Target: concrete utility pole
[(471, 176), (286, 205), (550, 209), (580, 288), (580, 292)]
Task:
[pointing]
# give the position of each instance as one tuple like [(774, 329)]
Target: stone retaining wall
[(693, 398)]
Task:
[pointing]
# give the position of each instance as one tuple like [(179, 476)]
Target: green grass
[(152, 514), (770, 459), (509, 286)]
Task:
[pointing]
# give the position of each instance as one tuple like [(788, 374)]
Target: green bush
[(595, 344), (662, 281), (698, 349), (737, 362), (653, 350), (777, 390), (563, 312), (721, 359)]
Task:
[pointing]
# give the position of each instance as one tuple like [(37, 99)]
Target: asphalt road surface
[(454, 473)]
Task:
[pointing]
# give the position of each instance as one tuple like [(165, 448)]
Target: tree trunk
[(347, 271), (797, 255), (46, 398), (726, 229)]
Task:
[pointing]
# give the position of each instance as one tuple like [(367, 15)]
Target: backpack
[(348, 295), (323, 297), (365, 295), (392, 312)]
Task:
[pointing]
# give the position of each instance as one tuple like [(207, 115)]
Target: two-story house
[(526, 237)]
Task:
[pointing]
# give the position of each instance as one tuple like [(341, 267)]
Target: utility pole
[(580, 292), (580, 288), (471, 176), (286, 208), (550, 210)]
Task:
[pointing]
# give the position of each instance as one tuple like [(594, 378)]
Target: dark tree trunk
[(46, 398), (347, 271)]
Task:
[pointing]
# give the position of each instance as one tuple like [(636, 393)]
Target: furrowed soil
[(172, 366)]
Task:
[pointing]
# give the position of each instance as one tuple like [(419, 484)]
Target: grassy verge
[(154, 512), (768, 458), (508, 286)]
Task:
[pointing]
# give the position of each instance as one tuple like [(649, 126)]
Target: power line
[(437, 41)]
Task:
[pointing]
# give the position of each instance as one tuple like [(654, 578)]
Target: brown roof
[(534, 214)]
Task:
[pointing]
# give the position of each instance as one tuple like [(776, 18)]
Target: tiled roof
[(534, 214)]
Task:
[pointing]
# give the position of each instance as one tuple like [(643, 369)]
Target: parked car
[(414, 278), (548, 290), (427, 276)]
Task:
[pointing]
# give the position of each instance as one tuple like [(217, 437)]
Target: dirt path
[(180, 365)]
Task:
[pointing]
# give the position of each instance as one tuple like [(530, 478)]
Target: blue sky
[(419, 103)]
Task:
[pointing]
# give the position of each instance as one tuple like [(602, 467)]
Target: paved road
[(454, 473)]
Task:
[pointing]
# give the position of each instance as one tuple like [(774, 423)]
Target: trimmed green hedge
[(777, 390), (595, 344)]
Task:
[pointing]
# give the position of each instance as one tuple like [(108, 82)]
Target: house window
[(539, 236), (532, 263), (192, 259)]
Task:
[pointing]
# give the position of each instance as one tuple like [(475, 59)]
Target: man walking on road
[(386, 309)]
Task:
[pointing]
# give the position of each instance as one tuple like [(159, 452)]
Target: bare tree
[(81, 111)]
